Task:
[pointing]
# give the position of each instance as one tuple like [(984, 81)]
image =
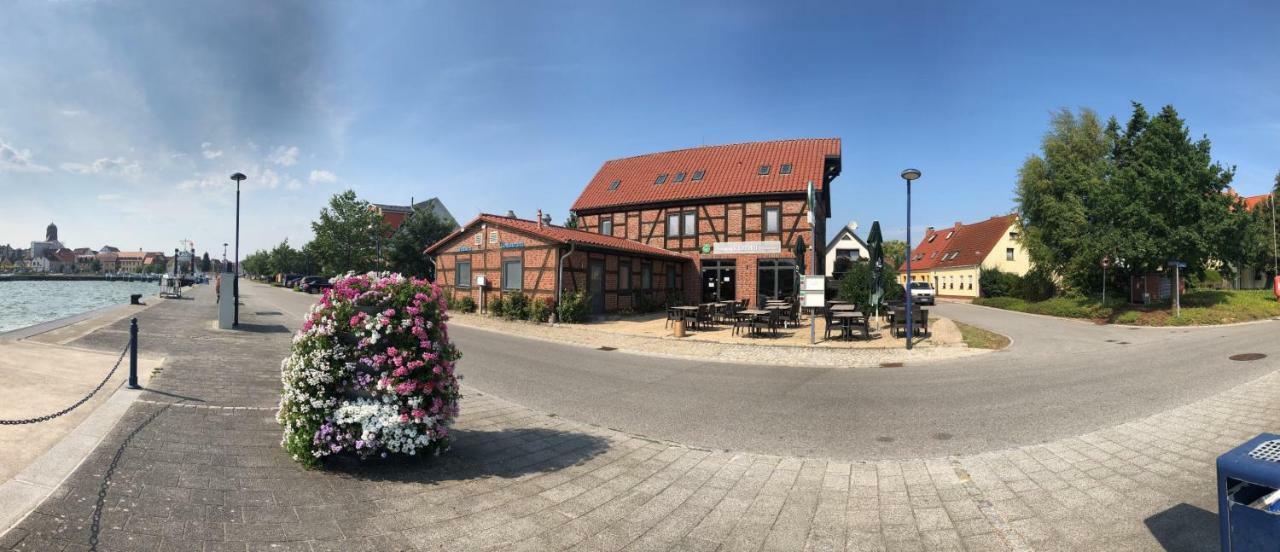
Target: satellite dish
[(852, 226)]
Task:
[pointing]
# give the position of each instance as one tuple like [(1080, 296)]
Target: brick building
[(952, 258), (516, 255), (738, 211)]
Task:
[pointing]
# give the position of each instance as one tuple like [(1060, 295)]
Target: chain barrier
[(48, 417)]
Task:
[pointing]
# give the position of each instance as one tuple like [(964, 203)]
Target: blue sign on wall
[(464, 249), (513, 245)]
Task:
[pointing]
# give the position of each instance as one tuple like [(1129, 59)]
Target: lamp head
[(238, 177), (910, 174)]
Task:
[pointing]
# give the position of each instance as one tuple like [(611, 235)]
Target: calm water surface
[(24, 304)]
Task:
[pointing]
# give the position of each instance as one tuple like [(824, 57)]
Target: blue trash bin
[(1249, 495)]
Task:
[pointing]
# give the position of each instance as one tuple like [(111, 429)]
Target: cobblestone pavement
[(196, 465)]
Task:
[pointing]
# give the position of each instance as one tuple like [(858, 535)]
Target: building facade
[(846, 244), (952, 258), (395, 215), (739, 212)]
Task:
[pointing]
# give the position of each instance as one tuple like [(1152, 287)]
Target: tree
[(205, 264), (284, 259), (346, 235), (95, 265), (895, 253), (420, 230), (571, 221)]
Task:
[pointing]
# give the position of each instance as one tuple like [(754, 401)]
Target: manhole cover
[(885, 439), (891, 365), (1122, 343), (607, 348), (1248, 356), (269, 313), (942, 436)]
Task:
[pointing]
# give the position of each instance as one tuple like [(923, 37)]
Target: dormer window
[(764, 170), (697, 175), (679, 178), (785, 168), (662, 179), (932, 237), (614, 185), (951, 233)]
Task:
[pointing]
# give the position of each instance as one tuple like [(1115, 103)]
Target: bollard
[(133, 354)]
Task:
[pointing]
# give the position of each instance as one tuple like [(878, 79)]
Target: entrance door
[(595, 285), (719, 281)]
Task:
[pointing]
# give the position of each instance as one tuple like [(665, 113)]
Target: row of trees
[(1139, 195), (351, 237)]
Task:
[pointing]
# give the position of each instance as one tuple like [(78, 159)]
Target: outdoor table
[(754, 313), (688, 312), (847, 307), (847, 320)]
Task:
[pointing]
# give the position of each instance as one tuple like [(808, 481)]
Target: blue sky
[(121, 120)]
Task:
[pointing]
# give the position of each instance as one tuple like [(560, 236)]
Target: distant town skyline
[(125, 130)]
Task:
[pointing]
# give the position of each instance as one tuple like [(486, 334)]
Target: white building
[(846, 243)]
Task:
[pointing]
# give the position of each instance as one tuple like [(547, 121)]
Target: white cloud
[(104, 165), (71, 112), (293, 184), (109, 197), (284, 156), (257, 178), (16, 160), (207, 150), (318, 177)]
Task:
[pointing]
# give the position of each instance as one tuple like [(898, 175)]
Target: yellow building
[(952, 258)]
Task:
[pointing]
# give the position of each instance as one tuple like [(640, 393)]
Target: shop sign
[(748, 248), (464, 249), (513, 245)]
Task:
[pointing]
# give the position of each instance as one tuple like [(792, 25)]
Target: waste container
[(1249, 495)]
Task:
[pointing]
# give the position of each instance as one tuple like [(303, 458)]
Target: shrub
[(466, 304), (517, 307), (540, 309), (996, 283), (855, 285), (371, 372), (573, 307), (1035, 285), (498, 306)]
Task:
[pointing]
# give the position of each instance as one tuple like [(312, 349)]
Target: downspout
[(559, 279)]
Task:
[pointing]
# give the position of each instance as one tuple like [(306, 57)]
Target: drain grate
[(1244, 357), (607, 348), (1268, 451), (269, 313), (891, 365)]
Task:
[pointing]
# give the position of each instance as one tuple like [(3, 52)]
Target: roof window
[(614, 185), (697, 175), (951, 233), (785, 168), (662, 179), (932, 237), (764, 170), (679, 177)]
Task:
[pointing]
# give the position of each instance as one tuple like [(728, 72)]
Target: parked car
[(314, 284), (922, 293)]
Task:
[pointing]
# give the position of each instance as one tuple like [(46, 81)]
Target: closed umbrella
[(875, 242)]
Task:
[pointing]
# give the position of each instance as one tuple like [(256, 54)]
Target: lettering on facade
[(513, 245), (748, 248)]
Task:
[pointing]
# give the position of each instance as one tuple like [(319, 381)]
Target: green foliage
[(855, 286), (571, 221), (465, 304), (1141, 196), (346, 235), (841, 267), (573, 307), (540, 309), (996, 283), (95, 265), (1201, 307), (895, 253), (1035, 285), (405, 249), (517, 306), (498, 306)]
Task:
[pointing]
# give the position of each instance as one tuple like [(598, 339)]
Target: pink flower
[(419, 413), (404, 418)]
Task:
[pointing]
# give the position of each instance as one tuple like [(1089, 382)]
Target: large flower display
[(371, 372)]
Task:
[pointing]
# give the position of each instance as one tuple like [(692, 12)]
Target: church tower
[(51, 233)]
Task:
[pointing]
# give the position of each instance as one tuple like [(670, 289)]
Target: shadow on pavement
[(261, 328), (1185, 528), (505, 453)]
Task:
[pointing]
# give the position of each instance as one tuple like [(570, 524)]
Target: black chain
[(48, 417)]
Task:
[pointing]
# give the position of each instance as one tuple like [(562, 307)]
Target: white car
[(922, 293)]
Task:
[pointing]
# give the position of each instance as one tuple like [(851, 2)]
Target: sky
[(122, 120)]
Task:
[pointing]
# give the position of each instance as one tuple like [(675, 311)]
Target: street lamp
[(909, 175), (238, 177)]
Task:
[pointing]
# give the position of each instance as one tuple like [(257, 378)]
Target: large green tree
[(346, 235), (420, 230)]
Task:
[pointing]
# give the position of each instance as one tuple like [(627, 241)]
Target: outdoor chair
[(672, 316), (766, 322), (704, 315), (741, 321), (826, 314)]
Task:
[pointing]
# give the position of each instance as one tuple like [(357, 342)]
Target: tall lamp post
[(909, 175), (238, 177)]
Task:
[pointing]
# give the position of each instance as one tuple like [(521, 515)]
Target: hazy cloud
[(18, 160), (118, 166), (284, 156), (207, 150), (108, 197), (318, 177)]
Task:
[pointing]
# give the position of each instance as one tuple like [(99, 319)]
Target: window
[(672, 283), (932, 237), (934, 254), (1008, 253), (463, 277), (690, 224), (777, 279), (785, 168), (951, 233), (493, 236), (1013, 235), (771, 220), (697, 175), (646, 276), (512, 275), (851, 254), (479, 238), (764, 170), (624, 276), (679, 177), (614, 185), (673, 225), (606, 227), (662, 179)]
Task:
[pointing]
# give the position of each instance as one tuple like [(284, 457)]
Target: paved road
[(1059, 378)]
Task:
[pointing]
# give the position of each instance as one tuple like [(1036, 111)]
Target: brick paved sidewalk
[(199, 476)]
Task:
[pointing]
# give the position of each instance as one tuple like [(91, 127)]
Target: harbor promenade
[(195, 464)]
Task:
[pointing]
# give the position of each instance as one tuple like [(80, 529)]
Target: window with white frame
[(772, 220), (1008, 253), (606, 227)]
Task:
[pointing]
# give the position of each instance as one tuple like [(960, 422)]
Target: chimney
[(959, 224), (928, 230), (539, 218), (511, 214)]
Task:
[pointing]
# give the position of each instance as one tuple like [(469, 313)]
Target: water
[(25, 304)]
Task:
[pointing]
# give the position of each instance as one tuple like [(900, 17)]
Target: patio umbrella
[(875, 242), (800, 249)]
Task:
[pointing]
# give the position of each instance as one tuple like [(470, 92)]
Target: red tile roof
[(560, 234), (1253, 201), (970, 244), (731, 170)]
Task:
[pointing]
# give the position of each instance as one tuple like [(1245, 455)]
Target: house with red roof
[(952, 258), (699, 224)]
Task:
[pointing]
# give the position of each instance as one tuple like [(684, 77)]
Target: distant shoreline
[(76, 278)]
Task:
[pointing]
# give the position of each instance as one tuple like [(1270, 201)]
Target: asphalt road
[(1059, 378)]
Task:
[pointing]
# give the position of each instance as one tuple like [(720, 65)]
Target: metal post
[(910, 323), (133, 354), (1177, 292), (235, 278), (1104, 283)]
